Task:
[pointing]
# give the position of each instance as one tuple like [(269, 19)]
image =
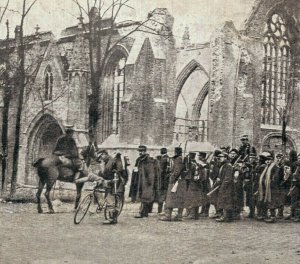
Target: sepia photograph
[(149, 131)]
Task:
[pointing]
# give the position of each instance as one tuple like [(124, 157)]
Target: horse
[(50, 169)]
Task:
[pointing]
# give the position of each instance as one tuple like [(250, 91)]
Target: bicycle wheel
[(110, 209), (82, 209)]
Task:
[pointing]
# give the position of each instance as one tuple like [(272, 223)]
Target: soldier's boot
[(272, 218), (167, 216), (297, 215), (291, 215), (144, 211), (187, 212), (178, 217), (150, 208), (218, 214), (252, 212), (226, 217), (160, 207), (204, 210), (280, 213), (194, 213)]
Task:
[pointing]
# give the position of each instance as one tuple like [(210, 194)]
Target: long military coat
[(176, 199), (226, 191), (148, 180)]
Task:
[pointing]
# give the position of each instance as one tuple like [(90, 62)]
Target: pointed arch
[(185, 74), (199, 101)]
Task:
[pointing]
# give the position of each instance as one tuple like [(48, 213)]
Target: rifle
[(213, 191)]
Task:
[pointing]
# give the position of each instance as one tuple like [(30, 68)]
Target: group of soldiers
[(227, 179)]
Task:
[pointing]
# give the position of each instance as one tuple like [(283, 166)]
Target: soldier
[(238, 199), (205, 183), (226, 191), (233, 156), (176, 189), (265, 159), (66, 149), (245, 149), (148, 182), (214, 168), (249, 178), (294, 193), (194, 194), (112, 165), (165, 167)]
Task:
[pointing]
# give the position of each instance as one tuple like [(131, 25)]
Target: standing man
[(245, 149), (165, 167), (226, 191), (148, 181), (204, 182), (249, 180), (176, 189)]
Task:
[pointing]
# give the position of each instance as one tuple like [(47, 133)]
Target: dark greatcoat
[(238, 176), (295, 190), (249, 177), (213, 175), (194, 195), (134, 182), (176, 200), (149, 179), (164, 164), (226, 191)]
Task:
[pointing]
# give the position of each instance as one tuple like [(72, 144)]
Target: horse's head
[(89, 153)]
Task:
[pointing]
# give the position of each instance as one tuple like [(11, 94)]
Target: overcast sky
[(202, 16)]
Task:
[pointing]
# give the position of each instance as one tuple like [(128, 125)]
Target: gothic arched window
[(277, 73), (48, 84), (118, 92)]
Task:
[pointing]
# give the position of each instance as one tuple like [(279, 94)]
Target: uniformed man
[(226, 190), (203, 168), (245, 149), (249, 179), (176, 189), (165, 169), (148, 181), (66, 149)]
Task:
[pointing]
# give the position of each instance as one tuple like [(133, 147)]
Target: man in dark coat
[(226, 190), (165, 169), (148, 182), (249, 178), (294, 193), (214, 168), (66, 148), (176, 188), (245, 149), (203, 168), (194, 194)]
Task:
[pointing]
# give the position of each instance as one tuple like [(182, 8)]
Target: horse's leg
[(38, 196), (78, 190), (47, 195)]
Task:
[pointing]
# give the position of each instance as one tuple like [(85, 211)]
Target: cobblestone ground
[(28, 237)]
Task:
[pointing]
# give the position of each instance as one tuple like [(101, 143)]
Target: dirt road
[(28, 237)]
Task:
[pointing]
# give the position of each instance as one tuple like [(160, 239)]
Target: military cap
[(244, 137), (192, 155), (234, 150), (102, 151), (142, 148), (222, 154), (279, 155), (163, 151), (266, 155), (252, 155), (202, 154), (217, 152)]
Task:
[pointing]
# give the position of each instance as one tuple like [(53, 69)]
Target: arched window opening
[(48, 84), (118, 92), (277, 70)]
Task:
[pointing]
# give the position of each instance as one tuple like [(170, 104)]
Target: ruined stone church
[(161, 93)]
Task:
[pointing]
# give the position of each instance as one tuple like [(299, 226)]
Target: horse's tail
[(37, 163)]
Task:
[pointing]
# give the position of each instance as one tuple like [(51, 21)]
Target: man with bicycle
[(113, 167)]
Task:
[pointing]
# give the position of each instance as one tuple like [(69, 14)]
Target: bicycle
[(99, 197)]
